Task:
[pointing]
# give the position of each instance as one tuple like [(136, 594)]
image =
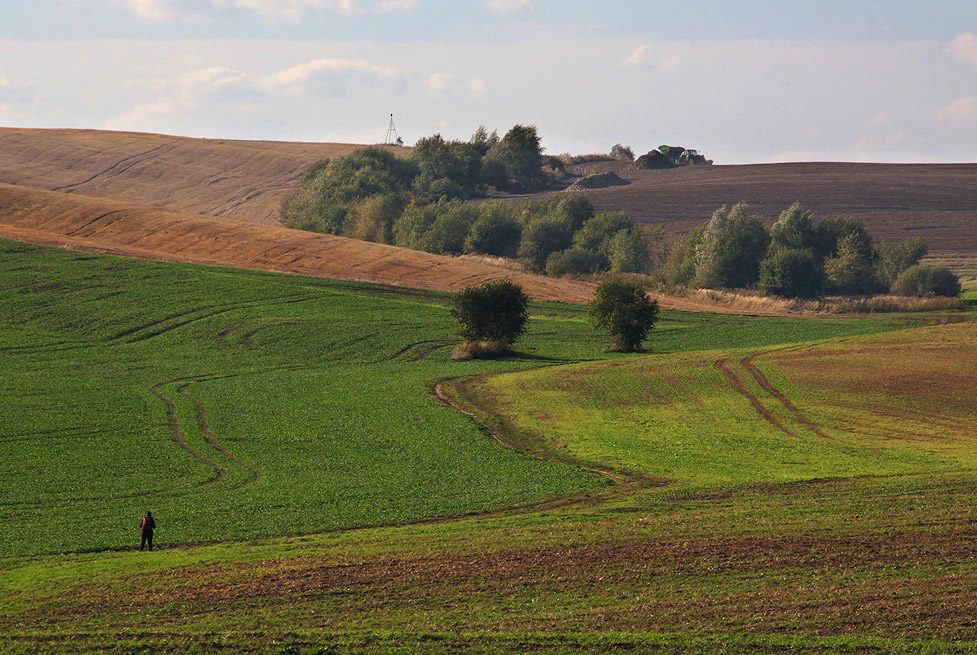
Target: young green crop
[(236, 404)]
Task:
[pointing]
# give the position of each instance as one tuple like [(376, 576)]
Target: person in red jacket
[(147, 527)]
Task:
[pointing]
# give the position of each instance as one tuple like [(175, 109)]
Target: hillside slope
[(935, 201), (114, 227), (243, 180)]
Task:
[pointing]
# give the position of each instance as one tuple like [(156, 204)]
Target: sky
[(743, 81)]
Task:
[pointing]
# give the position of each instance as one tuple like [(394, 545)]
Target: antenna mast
[(392, 138)]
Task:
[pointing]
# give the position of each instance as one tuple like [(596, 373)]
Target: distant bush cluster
[(418, 202), (800, 258)]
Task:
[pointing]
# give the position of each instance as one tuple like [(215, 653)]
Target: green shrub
[(794, 229), (597, 232), (448, 232), (894, 258), (574, 261), (622, 152), (493, 313), (373, 219), (541, 238), (850, 270), (624, 309), (495, 232), (520, 157), (628, 251), (679, 267), (732, 246), (790, 273), (921, 281), (411, 228)]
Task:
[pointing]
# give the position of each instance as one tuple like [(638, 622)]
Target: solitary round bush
[(923, 281), (492, 316), (624, 309)]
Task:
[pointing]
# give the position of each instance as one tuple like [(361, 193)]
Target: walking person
[(147, 527)]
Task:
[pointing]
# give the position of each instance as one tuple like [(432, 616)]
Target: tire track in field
[(740, 388), (132, 335), (421, 352), (204, 424), (443, 397), (176, 433), (118, 167), (766, 385)]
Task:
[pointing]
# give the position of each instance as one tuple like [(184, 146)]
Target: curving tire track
[(176, 433), (118, 167), (616, 477), (253, 474), (766, 385), (740, 388), (132, 334)]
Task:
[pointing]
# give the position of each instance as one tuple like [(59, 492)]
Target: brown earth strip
[(772, 580)]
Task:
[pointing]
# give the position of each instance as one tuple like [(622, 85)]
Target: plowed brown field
[(935, 201)]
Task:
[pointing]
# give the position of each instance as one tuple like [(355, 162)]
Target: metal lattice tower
[(392, 138)]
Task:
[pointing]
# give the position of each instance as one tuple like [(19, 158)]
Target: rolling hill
[(935, 201), (216, 201)]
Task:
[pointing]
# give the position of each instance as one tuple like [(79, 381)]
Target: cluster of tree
[(493, 315), (418, 203), (332, 191), (800, 258)]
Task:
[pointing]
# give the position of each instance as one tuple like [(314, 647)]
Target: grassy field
[(778, 492), (888, 405)]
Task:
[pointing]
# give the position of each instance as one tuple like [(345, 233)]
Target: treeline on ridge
[(419, 202), (798, 257)]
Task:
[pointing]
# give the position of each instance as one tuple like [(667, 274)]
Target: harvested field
[(243, 180), (935, 201), (118, 228)]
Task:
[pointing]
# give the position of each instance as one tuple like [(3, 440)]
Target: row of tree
[(415, 202), (798, 257)]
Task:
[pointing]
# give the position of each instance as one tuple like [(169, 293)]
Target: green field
[(292, 420)]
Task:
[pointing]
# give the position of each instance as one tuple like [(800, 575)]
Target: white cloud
[(438, 81), (509, 6), (330, 77), (158, 10), (636, 56), (960, 112), (4, 80), (964, 48), (183, 94), (672, 63), (269, 10), (898, 137), (477, 86)]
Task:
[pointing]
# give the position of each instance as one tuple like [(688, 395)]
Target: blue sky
[(746, 81)]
